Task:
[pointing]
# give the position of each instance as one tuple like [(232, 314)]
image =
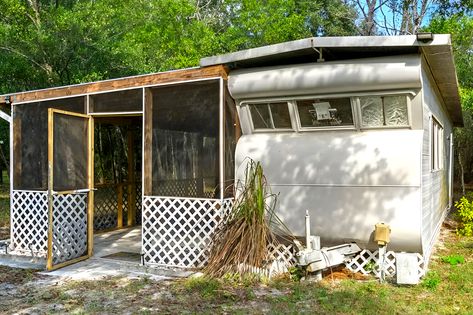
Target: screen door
[(70, 188)]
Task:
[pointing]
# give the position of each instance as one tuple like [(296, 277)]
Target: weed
[(207, 287), (371, 266), (453, 259), (431, 280), (296, 273), (465, 214)]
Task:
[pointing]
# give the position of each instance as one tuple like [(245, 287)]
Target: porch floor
[(119, 241), (125, 245)]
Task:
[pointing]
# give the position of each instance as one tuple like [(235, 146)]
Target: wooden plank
[(67, 263), (120, 206), (148, 142), (49, 261), (131, 179), (121, 83), (90, 182), (16, 165), (65, 112)]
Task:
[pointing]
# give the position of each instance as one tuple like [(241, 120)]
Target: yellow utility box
[(381, 233)]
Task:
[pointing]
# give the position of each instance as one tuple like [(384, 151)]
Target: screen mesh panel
[(30, 141), (185, 139), (121, 101), (70, 152)]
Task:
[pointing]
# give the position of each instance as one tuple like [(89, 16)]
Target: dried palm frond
[(243, 239)]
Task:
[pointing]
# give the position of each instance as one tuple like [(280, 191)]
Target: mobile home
[(356, 130)]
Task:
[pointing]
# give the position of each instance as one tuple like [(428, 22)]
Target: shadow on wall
[(348, 180)]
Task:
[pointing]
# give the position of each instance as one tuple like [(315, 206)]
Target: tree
[(392, 17), (461, 28)]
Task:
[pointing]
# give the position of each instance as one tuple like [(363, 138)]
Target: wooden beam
[(17, 163), (148, 142), (131, 179), (49, 257), (121, 83), (120, 205), (90, 183)]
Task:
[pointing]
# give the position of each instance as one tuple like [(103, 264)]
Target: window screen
[(30, 142), (70, 152), (185, 140), (325, 112), (270, 116), (379, 111), (121, 101)]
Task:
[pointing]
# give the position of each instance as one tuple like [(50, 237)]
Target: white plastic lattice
[(29, 222), (69, 227), (177, 231), (183, 187), (366, 262), (105, 208)]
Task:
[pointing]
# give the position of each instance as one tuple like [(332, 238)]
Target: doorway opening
[(118, 191)]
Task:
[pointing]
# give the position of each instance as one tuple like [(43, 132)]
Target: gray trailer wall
[(349, 180), (436, 190)]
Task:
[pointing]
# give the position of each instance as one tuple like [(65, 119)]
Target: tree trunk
[(4, 159), (462, 172)]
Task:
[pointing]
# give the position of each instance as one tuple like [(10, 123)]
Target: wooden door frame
[(90, 186)]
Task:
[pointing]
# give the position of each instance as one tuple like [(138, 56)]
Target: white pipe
[(450, 173), (381, 262), (307, 230)]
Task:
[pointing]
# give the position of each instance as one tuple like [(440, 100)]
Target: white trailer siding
[(348, 180), (435, 183)]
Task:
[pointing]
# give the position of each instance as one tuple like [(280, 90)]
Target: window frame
[(408, 105), (437, 156), (267, 103), (244, 110)]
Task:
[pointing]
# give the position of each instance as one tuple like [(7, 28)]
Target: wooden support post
[(16, 166), (90, 182), (49, 257), (131, 179), (148, 143), (120, 205)]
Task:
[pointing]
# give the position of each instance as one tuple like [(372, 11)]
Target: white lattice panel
[(105, 208), (29, 222), (177, 231), (366, 262), (69, 227), (183, 187)]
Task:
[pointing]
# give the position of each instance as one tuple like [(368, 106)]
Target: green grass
[(447, 289)]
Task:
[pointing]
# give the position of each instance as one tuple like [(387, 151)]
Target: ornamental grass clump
[(242, 241)]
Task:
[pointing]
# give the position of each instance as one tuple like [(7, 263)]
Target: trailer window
[(384, 111), (270, 116), (436, 145), (325, 112)]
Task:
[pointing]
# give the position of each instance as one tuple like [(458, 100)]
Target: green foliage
[(461, 29), (66, 42), (296, 273), (453, 259), (431, 280), (465, 214), (206, 286)]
